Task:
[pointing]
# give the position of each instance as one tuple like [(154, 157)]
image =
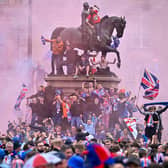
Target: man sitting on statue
[(93, 20), (82, 67), (103, 68)]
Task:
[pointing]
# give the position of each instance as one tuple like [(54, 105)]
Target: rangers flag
[(151, 85), (21, 97)]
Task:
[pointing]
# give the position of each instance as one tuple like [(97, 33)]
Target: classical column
[(29, 29)]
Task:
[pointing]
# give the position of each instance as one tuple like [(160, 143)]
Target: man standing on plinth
[(57, 47)]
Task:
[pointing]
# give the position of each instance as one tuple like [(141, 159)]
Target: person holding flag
[(158, 112), (20, 98), (151, 121)]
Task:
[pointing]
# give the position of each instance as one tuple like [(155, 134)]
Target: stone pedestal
[(68, 84)]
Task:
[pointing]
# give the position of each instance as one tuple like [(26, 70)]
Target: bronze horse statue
[(108, 24)]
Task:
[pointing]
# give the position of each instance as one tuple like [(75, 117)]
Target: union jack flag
[(151, 93), (151, 85)]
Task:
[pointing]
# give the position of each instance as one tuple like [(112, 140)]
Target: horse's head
[(109, 23), (120, 26)]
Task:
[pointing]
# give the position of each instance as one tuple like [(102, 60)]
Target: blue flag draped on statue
[(21, 96), (150, 83)]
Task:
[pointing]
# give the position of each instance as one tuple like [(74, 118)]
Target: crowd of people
[(92, 107), (87, 128), (68, 61), (27, 146), (84, 129)]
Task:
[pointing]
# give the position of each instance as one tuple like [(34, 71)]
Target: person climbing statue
[(93, 20), (57, 54)]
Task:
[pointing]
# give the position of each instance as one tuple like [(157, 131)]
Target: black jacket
[(76, 109)]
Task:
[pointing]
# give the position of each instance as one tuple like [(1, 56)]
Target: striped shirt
[(145, 162)]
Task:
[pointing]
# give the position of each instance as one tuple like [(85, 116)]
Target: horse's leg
[(118, 57), (110, 49)]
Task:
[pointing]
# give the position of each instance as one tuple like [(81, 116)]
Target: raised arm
[(81, 121), (145, 109), (142, 112), (94, 121), (162, 110), (52, 40)]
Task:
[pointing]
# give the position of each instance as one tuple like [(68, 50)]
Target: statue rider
[(84, 15), (93, 20)]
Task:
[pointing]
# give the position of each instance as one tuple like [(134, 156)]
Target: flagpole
[(139, 88), (138, 94)]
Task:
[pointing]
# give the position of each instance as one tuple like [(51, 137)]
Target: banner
[(21, 96), (131, 124)]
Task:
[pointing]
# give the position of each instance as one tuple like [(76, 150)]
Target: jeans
[(77, 120), (58, 61)]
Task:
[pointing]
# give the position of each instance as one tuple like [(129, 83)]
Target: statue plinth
[(68, 84)]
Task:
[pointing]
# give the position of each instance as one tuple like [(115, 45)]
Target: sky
[(144, 43)]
